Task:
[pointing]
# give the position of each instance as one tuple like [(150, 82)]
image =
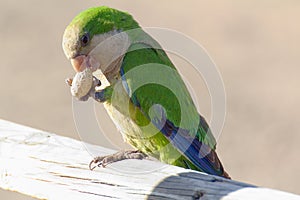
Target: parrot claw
[(91, 167), (69, 81), (84, 98), (96, 82), (103, 161)]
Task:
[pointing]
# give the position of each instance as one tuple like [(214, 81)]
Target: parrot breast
[(146, 138)]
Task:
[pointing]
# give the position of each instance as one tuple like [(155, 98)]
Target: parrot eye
[(85, 39)]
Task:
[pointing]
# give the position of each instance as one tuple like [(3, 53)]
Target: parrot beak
[(81, 62), (77, 63)]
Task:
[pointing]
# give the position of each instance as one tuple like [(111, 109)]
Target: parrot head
[(88, 41)]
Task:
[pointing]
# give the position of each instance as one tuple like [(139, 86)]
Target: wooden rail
[(48, 166)]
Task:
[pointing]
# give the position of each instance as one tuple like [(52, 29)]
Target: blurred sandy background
[(254, 43)]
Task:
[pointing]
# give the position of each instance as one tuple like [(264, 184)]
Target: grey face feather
[(71, 42), (108, 49)]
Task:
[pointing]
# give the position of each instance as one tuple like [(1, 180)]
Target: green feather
[(101, 20), (151, 94)]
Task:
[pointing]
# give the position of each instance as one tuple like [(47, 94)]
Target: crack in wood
[(60, 163), (48, 161), (101, 195), (76, 167), (86, 179), (47, 181), (198, 195)]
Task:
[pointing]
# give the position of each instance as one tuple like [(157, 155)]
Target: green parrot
[(146, 97)]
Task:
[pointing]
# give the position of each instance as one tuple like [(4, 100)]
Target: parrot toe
[(121, 155)]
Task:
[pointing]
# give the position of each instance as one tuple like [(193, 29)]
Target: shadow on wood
[(194, 185)]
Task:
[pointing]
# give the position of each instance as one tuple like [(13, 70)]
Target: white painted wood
[(48, 166)]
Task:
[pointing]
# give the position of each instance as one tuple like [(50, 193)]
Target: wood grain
[(48, 166)]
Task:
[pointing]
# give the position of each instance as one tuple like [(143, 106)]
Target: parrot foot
[(121, 155)]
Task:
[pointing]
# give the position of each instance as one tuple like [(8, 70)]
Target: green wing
[(151, 79), (156, 88)]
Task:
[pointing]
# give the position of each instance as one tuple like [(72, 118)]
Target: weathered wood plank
[(48, 166)]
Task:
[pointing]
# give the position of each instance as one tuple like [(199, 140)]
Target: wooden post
[(48, 166)]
